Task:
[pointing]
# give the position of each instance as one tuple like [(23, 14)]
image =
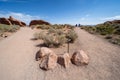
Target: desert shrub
[(117, 29), (39, 35), (72, 36), (54, 41), (56, 31), (105, 29), (9, 28), (115, 41), (42, 26), (51, 30), (59, 32), (55, 36)]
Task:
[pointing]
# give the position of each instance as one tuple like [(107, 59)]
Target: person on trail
[(79, 25), (76, 25)]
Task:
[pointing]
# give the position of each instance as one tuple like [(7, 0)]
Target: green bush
[(55, 36), (72, 36), (105, 29)]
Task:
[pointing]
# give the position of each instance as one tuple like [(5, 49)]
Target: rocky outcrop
[(11, 21), (16, 22), (48, 61), (80, 58), (64, 60), (112, 22), (38, 22), (5, 21)]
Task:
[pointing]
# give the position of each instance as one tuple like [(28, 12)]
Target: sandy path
[(105, 57), (17, 57)]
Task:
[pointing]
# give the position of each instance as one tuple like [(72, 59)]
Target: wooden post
[(68, 47), (68, 41)]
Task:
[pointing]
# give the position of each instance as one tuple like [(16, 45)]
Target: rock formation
[(11, 21), (38, 22), (5, 21), (16, 22)]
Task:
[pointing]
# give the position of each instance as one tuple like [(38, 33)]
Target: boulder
[(64, 60), (38, 22), (49, 61), (44, 51), (80, 58), (5, 21)]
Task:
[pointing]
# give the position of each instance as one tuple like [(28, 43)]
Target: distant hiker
[(76, 25), (79, 25)]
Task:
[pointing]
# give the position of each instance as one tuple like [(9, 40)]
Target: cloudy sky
[(62, 11)]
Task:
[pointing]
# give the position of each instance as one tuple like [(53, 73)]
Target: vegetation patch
[(56, 36), (110, 31)]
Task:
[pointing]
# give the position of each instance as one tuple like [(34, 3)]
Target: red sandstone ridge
[(11, 21), (5, 21), (16, 22), (38, 22)]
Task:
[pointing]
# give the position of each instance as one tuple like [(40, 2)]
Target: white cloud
[(20, 16), (111, 18)]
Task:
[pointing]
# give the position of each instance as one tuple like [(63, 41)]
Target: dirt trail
[(17, 59), (105, 57)]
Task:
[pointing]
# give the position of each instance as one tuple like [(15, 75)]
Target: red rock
[(80, 58), (5, 21), (16, 22), (38, 22)]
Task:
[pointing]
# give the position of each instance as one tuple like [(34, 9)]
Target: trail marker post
[(68, 41)]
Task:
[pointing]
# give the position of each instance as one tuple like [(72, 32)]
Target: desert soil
[(17, 58)]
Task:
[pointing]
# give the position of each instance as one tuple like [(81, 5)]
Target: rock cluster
[(48, 59), (38, 22), (11, 21)]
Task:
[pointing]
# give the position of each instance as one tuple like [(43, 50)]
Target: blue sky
[(85, 12)]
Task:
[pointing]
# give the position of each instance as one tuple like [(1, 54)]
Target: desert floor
[(17, 58)]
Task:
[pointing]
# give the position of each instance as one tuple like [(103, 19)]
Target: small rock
[(80, 58), (64, 60), (49, 61), (4, 35)]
